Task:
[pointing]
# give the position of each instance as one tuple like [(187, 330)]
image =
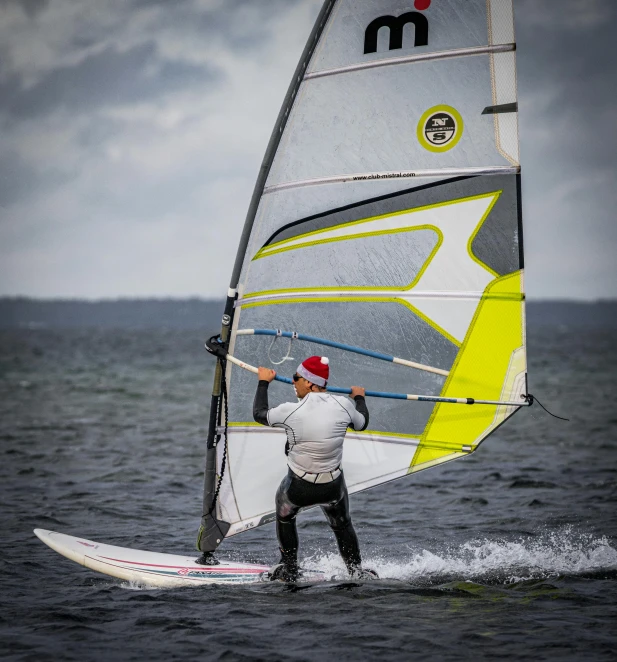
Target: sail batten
[(408, 59), (385, 223), (395, 174), (273, 295)]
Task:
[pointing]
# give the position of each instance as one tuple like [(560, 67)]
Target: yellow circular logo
[(440, 128)]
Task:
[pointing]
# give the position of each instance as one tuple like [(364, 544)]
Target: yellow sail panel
[(490, 365)]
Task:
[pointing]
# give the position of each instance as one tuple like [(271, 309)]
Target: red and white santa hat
[(315, 369)]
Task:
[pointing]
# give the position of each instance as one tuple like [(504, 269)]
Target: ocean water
[(510, 553)]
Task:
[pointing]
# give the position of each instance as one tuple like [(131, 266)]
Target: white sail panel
[(452, 24), (252, 505), (410, 249), (336, 128)]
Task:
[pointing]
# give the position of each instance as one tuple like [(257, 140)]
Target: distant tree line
[(20, 312)]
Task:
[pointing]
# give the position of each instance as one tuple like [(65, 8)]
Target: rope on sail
[(533, 399), (224, 400), (279, 334)]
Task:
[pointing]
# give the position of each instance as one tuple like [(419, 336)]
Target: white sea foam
[(135, 586), (564, 552)]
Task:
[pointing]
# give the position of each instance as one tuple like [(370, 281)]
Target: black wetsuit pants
[(293, 494)]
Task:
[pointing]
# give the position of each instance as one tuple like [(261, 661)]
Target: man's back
[(316, 429)]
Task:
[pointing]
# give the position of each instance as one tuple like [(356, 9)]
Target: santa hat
[(315, 369)]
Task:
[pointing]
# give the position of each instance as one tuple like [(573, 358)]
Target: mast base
[(207, 558), (211, 534)]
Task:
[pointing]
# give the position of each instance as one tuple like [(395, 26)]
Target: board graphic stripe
[(223, 569)]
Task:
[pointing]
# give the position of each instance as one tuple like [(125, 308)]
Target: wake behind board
[(154, 568)]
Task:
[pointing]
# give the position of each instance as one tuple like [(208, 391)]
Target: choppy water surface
[(509, 553)]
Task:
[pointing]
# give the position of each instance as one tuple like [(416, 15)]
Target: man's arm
[(260, 404), (357, 393)]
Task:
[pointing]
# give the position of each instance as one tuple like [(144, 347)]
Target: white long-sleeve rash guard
[(315, 426)]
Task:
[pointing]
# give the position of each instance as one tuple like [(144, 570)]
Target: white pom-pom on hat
[(325, 360)]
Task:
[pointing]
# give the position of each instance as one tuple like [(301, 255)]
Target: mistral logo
[(396, 24)]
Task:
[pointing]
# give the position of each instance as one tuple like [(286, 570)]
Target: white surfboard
[(152, 568)]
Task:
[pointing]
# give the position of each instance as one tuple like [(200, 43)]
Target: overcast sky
[(132, 132)]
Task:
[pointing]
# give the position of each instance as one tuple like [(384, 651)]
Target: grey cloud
[(106, 79), (18, 180), (560, 15), (242, 24), (577, 69), (31, 7), (568, 92), (113, 78), (119, 75)]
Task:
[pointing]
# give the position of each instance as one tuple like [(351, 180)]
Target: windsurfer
[(315, 427)]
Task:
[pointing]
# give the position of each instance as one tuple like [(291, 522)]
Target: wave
[(552, 554)]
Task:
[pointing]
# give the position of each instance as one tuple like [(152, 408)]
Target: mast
[(213, 530)]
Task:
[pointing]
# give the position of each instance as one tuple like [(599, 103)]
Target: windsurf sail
[(385, 222)]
